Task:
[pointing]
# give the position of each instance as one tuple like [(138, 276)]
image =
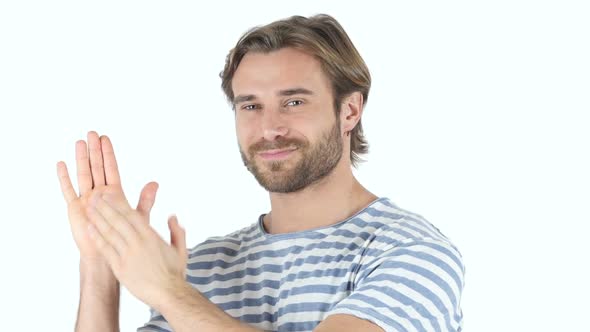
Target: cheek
[(313, 128), (244, 133)]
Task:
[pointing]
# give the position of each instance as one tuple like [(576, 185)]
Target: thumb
[(147, 198), (177, 236)]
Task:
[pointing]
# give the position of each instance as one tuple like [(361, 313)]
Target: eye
[(294, 102), (249, 107)]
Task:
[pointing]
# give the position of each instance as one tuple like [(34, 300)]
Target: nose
[(272, 125)]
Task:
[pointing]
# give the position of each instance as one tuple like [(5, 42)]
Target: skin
[(329, 200), (97, 172), (107, 229)]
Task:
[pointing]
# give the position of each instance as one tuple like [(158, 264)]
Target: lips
[(276, 153)]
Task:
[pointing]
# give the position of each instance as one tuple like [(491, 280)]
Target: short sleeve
[(414, 286), (157, 323)]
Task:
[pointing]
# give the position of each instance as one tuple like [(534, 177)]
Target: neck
[(334, 198)]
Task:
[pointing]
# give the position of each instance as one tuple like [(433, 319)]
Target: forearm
[(99, 299), (186, 309)]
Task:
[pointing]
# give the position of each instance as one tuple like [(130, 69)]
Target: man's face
[(288, 134)]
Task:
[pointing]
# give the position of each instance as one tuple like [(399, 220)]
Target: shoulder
[(407, 263), (396, 225), (397, 233)]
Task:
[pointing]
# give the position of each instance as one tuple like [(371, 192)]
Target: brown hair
[(322, 37)]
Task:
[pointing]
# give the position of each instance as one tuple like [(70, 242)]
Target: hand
[(97, 173), (140, 259)]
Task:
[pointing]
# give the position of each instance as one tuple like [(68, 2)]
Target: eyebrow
[(287, 92)]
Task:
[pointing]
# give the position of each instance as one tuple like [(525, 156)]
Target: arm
[(187, 310), (98, 309), (151, 269), (97, 172)]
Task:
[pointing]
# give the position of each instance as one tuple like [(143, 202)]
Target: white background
[(477, 120)]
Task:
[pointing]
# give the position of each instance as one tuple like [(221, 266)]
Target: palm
[(79, 221), (97, 170)]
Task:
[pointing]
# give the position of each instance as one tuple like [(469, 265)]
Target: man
[(329, 256)]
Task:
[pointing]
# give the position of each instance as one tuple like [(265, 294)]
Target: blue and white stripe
[(384, 264)]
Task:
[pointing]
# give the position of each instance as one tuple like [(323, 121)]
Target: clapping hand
[(108, 230)]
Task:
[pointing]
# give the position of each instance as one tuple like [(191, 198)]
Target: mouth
[(276, 154)]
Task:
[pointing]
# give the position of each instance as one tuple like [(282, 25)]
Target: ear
[(351, 111)]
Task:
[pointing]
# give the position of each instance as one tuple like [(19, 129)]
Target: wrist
[(172, 295), (186, 308), (97, 271), (99, 297)]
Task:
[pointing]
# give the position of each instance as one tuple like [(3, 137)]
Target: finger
[(105, 249), (111, 169), (65, 183), (119, 204), (120, 222), (107, 232), (117, 201), (96, 162), (177, 236), (83, 168), (147, 198)]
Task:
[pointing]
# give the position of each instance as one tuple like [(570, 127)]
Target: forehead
[(260, 73)]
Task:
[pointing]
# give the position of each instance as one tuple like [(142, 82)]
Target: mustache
[(279, 143)]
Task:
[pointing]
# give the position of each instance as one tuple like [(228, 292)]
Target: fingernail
[(176, 220)]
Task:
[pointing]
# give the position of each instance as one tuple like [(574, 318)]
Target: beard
[(316, 162)]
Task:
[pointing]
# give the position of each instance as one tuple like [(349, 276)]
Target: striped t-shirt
[(383, 264)]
